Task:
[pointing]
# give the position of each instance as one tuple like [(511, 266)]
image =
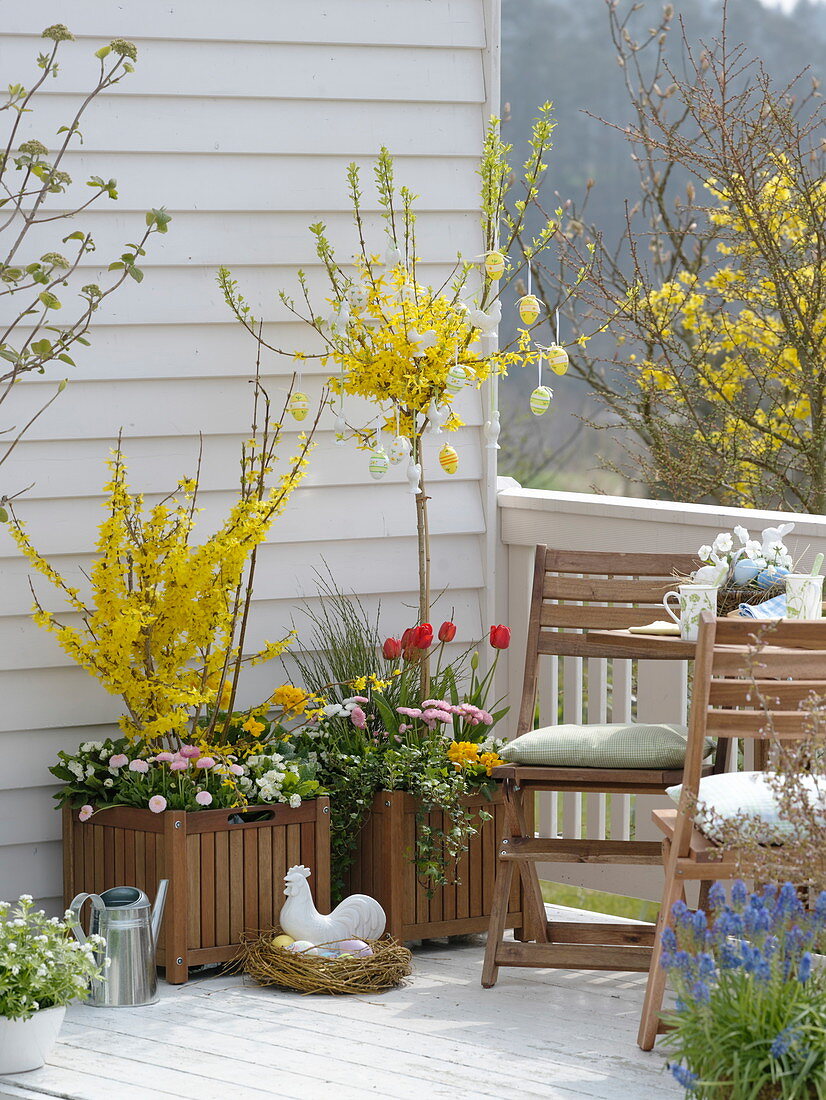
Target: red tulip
[(392, 649), (447, 632), (500, 637), (422, 636)]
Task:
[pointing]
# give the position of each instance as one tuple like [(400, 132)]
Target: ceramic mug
[(693, 598), (804, 595)]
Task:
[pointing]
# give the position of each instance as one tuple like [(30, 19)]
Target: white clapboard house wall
[(240, 119)]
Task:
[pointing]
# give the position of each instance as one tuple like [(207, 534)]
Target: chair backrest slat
[(753, 681), (575, 591)]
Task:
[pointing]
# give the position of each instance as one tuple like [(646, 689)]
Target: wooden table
[(649, 647)]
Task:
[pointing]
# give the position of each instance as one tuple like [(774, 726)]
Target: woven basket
[(267, 964), (730, 597)]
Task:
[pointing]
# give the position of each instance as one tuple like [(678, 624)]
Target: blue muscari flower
[(698, 922), (739, 894), (669, 940), (701, 993), (683, 1076), (788, 902), (756, 918), (771, 946), (706, 966), (820, 908), (683, 962), (730, 957), (784, 1041), (681, 914), (717, 895), (667, 960), (729, 923), (804, 970)]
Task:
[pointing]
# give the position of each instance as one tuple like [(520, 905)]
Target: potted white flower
[(42, 969)]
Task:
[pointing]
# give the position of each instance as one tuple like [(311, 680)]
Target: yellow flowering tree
[(408, 347), (164, 625), (716, 294)]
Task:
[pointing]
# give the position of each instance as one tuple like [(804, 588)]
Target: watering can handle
[(75, 908)]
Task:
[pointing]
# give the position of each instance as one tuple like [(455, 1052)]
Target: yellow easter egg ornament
[(529, 309), (557, 358), (494, 265), (299, 406), (283, 940), (540, 400), (448, 459)]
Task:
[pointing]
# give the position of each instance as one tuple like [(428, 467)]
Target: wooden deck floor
[(556, 1035)]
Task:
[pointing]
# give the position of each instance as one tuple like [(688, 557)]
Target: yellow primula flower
[(292, 700)]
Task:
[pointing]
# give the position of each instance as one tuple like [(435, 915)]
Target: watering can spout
[(158, 907)]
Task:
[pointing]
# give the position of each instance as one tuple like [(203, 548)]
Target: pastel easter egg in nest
[(299, 406), (379, 465), (540, 400), (456, 378), (494, 265), (557, 358), (356, 948), (745, 570), (448, 459), (300, 947), (529, 309), (283, 941)]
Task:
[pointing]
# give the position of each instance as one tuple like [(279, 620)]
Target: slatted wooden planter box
[(224, 878), (383, 869)]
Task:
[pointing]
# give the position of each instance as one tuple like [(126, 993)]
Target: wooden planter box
[(383, 869), (224, 878)]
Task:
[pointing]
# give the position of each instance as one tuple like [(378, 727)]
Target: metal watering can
[(129, 925)]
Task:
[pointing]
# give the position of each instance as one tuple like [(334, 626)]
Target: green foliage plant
[(42, 965)]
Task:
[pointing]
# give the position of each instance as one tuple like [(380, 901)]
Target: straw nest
[(267, 964)]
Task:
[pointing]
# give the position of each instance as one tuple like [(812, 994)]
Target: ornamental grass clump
[(42, 965), (750, 1017)]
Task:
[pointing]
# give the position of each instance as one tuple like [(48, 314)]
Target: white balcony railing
[(588, 690)]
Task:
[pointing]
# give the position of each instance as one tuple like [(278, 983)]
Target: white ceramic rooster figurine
[(357, 917)]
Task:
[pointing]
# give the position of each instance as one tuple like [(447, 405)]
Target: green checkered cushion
[(622, 745)]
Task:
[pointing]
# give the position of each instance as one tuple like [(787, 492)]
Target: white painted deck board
[(556, 1035)]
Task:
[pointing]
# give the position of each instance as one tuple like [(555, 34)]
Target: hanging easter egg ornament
[(494, 265), (529, 309), (448, 459), (379, 464), (541, 400), (456, 378), (341, 431), (399, 450), (557, 358), (299, 406)]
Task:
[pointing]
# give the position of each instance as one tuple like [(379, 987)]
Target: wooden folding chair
[(574, 592), (751, 682)]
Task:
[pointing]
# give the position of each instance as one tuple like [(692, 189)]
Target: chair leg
[(655, 986), (535, 923), (496, 928)]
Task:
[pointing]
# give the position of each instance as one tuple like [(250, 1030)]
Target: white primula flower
[(90, 770), (295, 801), (723, 543), (704, 553), (75, 768), (333, 710), (108, 782)]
